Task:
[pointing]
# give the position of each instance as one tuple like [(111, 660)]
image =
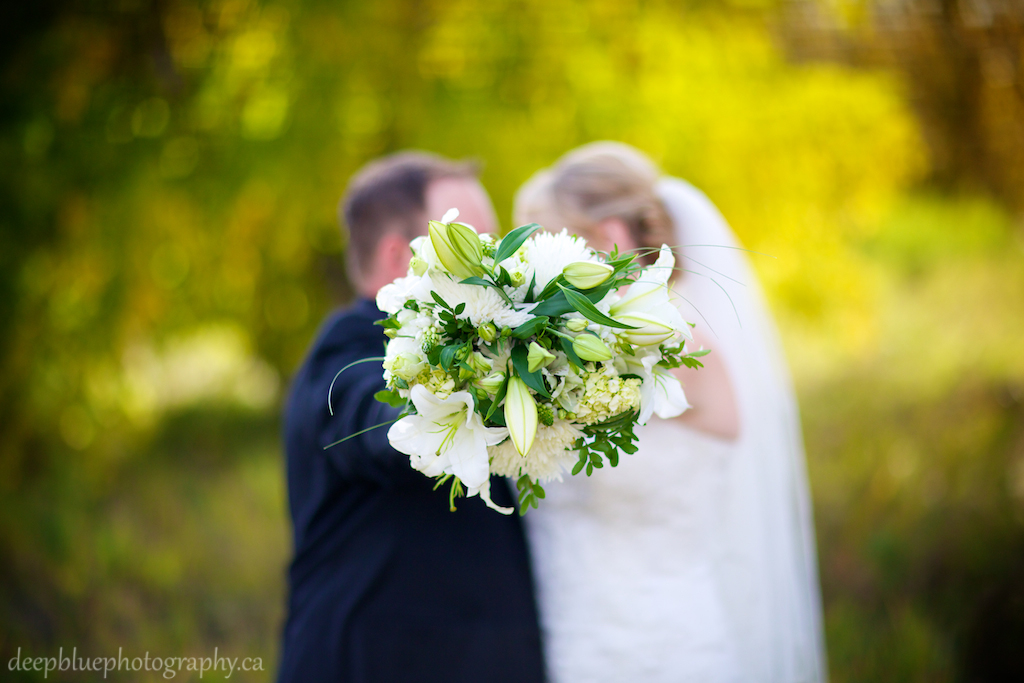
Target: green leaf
[(530, 327), (571, 352), (448, 355), (390, 397), (534, 380), (551, 288), (479, 281), (498, 395), (698, 354), (553, 306), (589, 311), (440, 302), (512, 241)]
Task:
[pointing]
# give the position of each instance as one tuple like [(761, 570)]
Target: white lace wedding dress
[(694, 560)]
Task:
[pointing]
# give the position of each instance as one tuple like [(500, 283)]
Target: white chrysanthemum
[(605, 394), (548, 457), (483, 304), (547, 253)]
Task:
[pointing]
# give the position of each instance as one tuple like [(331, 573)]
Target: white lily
[(392, 296), (649, 295), (447, 436), (661, 393)]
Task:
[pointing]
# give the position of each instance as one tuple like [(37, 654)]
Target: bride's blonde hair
[(594, 182)]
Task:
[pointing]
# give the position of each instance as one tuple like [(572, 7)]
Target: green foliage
[(530, 493), (608, 438)]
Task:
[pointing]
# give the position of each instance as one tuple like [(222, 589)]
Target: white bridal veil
[(767, 563), (694, 559)]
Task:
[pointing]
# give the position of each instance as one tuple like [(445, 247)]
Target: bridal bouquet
[(526, 356)]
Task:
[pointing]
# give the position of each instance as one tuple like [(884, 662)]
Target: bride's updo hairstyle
[(592, 183)]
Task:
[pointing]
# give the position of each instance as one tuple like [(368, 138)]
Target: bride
[(695, 559)]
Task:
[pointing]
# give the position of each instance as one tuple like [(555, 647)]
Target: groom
[(386, 583)]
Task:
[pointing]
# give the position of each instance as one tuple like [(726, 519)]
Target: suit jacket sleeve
[(369, 456)]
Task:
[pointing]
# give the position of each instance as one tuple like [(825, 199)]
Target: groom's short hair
[(389, 195)]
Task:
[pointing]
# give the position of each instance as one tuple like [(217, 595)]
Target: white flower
[(660, 393), (447, 436), (548, 253), (483, 304), (392, 297), (550, 456), (404, 358), (606, 394), (650, 295)]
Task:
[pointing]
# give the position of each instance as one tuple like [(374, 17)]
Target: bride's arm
[(709, 390)]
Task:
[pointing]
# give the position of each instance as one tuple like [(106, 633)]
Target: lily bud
[(589, 347), (491, 383), (520, 415), (539, 357), (466, 244), (577, 324), (587, 274), (479, 363), (487, 332), (446, 252), (649, 331)]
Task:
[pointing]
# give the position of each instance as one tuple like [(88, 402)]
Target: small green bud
[(539, 357), (518, 279), (492, 382), (479, 363), (487, 332), (417, 265), (545, 414), (577, 324), (506, 332), (589, 347), (430, 339)]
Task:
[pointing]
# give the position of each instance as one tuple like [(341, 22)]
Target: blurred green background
[(168, 245)]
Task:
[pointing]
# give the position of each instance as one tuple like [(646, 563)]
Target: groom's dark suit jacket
[(387, 584)]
